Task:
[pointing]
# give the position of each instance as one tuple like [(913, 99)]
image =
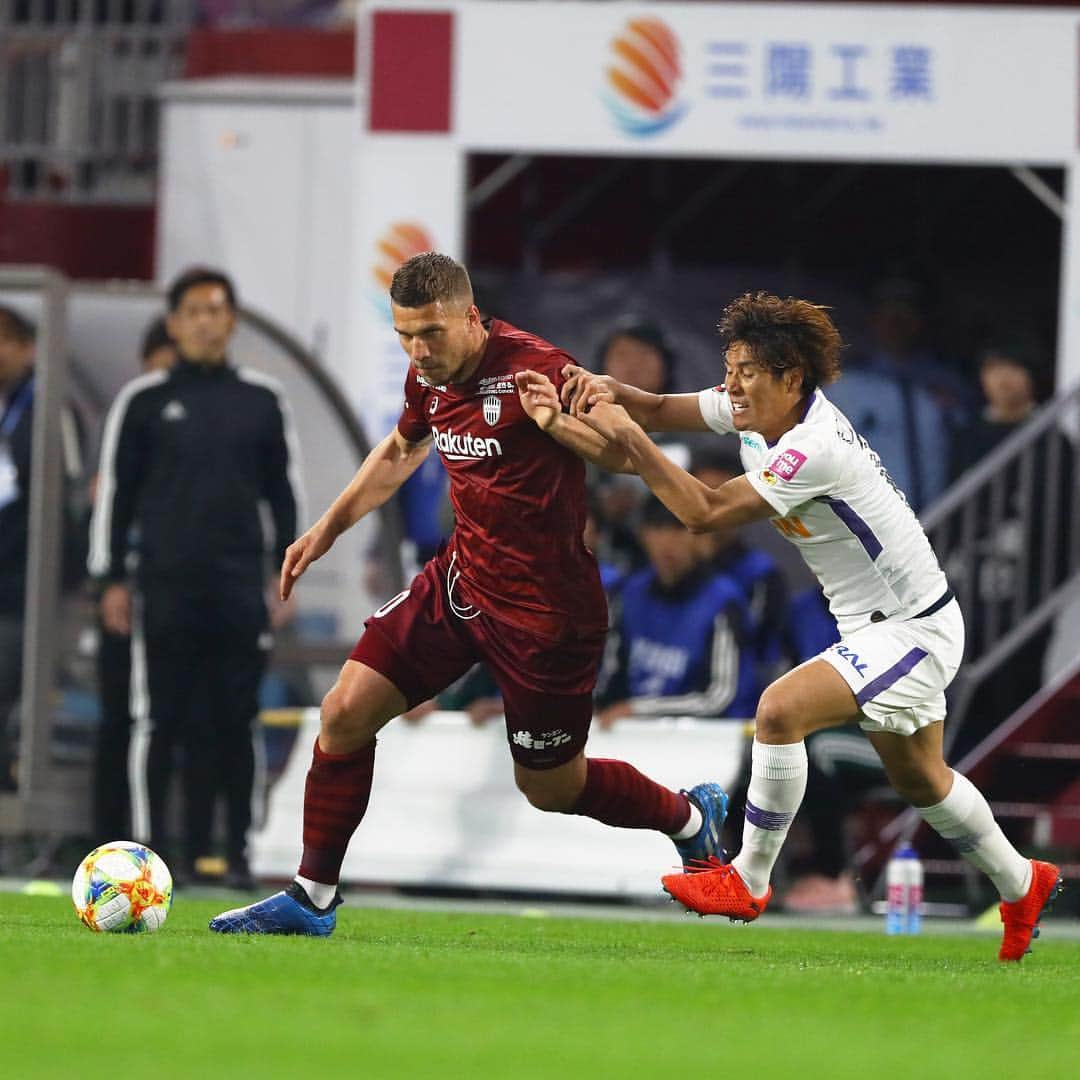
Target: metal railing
[(1008, 535), (78, 106)]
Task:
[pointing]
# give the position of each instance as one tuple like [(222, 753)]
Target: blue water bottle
[(904, 890)]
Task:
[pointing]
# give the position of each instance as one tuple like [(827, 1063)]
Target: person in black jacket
[(188, 456), (17, 340), (112, 795), (16, 404)]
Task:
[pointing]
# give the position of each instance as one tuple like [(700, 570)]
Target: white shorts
[(898, 671)]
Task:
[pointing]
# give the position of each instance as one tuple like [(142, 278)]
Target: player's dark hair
[(155, 337), (784, 334), (200, 275), (716, 458), (656, 514), (647, 333), (18, 325), (429, 277)]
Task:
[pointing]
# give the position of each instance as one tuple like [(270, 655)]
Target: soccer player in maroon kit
[(514, 586)]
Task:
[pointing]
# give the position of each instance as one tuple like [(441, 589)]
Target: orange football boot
[(1021, 917), (715, 888)]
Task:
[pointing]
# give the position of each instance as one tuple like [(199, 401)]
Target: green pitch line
[(435, 994)]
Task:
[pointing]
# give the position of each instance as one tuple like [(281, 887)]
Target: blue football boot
[(712, 801), (288, 912)]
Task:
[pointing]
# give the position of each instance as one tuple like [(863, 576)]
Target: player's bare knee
[(340, 718), (922, 788), (776, 721), (543, 796)]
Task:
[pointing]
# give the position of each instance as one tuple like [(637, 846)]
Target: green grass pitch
[(422, 994)]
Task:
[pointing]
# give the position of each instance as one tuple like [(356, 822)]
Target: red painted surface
[(411, 71), (285, 52), (86, 242)]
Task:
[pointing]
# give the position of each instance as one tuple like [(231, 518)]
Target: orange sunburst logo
[(401, 241), (643, 77)]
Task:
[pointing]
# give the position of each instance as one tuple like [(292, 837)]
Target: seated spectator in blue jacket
[(679, 643)]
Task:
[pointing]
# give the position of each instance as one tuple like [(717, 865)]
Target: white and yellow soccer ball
[(122, 887)]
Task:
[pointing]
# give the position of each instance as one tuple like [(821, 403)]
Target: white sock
[(692, 826), (319, 894), (965, 819), (777, 786)]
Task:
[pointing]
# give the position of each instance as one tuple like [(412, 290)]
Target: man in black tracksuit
[(187, 457)]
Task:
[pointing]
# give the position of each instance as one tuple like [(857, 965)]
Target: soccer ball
[(122, 887)]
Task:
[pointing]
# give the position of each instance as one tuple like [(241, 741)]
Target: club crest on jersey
[(787, 463), (769, 477), (492, 409)]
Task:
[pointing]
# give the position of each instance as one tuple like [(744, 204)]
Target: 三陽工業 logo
[(643, 77)]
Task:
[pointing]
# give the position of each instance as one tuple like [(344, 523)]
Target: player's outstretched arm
[(540, 400), (699, 507), (383, 471), (654, 412)]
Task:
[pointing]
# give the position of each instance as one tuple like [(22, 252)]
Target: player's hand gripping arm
[(699, 507), (540, 400), (654, 412), (384, 470)]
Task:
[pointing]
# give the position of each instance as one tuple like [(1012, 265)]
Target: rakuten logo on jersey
[(467, 447)]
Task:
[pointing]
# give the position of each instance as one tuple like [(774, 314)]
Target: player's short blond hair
[(430, 277)]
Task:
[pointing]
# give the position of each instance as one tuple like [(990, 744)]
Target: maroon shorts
[(424, 639)]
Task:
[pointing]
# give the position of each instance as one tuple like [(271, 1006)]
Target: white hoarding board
[(477, 830), (768, 81)]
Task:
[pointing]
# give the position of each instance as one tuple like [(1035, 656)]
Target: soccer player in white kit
[(902, 632)]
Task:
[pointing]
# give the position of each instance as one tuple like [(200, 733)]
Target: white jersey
[(836, 503)]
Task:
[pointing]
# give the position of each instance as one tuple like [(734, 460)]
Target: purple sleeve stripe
[(773, 820), (858, 527), (887, 678)]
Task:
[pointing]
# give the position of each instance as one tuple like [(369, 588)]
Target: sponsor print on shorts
[(787, 463), (851, 657), (547, 740)]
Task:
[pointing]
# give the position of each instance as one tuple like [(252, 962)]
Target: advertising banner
[(768, 81), (408, 198)]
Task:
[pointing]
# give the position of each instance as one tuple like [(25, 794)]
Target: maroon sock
[(335, 798), (617, 794)]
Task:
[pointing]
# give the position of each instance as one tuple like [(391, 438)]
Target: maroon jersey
[(518, 496)]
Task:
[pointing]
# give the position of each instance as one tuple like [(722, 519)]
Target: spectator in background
[(901, 398), (1009, 368), (17, 338), (188, 457), (680, 639), (112, 797), (1007, 371), (636, 352)]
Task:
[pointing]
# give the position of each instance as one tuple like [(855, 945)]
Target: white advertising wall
[(765, 81), (444, 810), (256, 177), (409, 193)]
